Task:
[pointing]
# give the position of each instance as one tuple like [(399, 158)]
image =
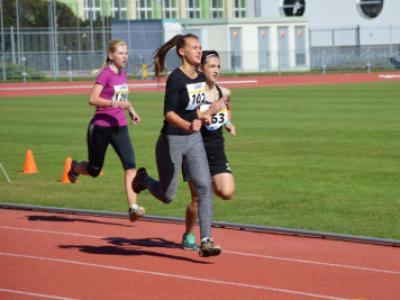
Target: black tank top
[(183, 95), (212, 133)]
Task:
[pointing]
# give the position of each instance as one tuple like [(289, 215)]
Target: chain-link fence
[(355, 48), (76, 52)]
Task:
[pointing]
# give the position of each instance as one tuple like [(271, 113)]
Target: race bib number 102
[(120, 92), (197, 94)]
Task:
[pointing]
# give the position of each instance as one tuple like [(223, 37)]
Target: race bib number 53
[(197, 94), (217, 120), (120, 92)]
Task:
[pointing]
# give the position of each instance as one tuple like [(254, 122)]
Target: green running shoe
[(189, 242)]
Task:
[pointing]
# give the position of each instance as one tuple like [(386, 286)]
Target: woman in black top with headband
[(216, 107)]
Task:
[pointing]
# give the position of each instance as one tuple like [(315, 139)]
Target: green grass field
[(313, 157)]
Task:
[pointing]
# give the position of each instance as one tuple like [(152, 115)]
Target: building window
[(144, 9), (240, 9), (369, 9), (169, 9), (92, 9), (118, 9), (217, 9), (193, 9), (292, 8)]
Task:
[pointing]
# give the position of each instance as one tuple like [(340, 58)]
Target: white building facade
[(343, 33), (259, 44), (378, 21)]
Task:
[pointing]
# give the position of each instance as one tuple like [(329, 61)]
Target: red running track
[(84, 87), (61, 256)]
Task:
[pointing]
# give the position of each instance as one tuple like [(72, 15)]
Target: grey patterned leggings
[(173, 151)]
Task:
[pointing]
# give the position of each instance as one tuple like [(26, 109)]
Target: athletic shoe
[(134, 215), (208, 248), (189, 242), (139, 182), (72, 176)]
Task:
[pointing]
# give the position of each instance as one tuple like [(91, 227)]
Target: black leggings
[(98, 139)]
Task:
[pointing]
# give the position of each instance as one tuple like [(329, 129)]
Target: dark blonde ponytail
[(159, 55)]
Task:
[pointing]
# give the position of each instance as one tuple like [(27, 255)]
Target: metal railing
[(31, 54), (40, 65)]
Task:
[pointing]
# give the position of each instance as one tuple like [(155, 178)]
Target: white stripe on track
[(86, 86), (175, 276), (34, 294), (75, 87), (53, 232), (269, 257), (325, 264), (40, 88), (389, 76), (237, 81)]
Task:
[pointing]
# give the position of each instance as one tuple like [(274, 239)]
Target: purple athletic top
[(115, 87)]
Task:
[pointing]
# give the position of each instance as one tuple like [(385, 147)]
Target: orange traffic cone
[(67, 167), (29, 164)]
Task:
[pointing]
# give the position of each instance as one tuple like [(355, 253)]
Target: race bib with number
[(217, 120), (120, 92), (197, 94)]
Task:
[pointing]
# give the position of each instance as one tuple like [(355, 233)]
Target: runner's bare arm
[(98, 101)]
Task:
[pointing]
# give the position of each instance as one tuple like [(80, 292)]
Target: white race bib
[(120, 92), (217, 120), (197, 94)]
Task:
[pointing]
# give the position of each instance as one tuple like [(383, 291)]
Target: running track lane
[(61, 256), (84, 87)]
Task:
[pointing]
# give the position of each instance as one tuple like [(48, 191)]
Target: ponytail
[(159, 55)]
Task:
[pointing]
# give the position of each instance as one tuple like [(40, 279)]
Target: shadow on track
[(69, 219), (147, 242), (123, 247)]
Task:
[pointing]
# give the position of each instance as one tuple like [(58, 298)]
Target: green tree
[(35, 13)]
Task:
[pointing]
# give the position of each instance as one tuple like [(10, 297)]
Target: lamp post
[(69, 60), (3, 50), (24, 73)]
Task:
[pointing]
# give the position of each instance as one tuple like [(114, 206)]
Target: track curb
[(216, 224)]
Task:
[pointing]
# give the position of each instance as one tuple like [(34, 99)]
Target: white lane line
[(131, 85), (52, 232), (33, 88), (389, 76), (269, 257), (237, 81), (34, 294), (75, 87), (325, 264), (175, 276)]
